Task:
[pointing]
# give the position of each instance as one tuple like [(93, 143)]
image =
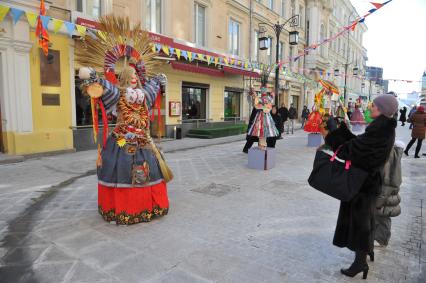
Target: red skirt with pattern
[(133, 205)]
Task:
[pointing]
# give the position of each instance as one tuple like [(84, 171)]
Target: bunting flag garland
[(42, 22), (16, 14), (31, 18), (81, 30), (57, 24), (70, 28), (3, 12)]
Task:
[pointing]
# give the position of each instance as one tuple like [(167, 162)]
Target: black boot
[(359, 265)]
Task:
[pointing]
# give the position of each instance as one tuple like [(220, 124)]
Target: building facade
[(207, 95), (342, 60)]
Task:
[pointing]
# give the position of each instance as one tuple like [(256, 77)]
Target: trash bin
[(178, 133)]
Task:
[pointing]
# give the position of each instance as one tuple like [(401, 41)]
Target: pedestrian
[(412, 111), (403, 116), (292, 115), (271, 141), (387, 204), (369, 151), (250, 140), (419, 130), (305, 115), (283, 111)]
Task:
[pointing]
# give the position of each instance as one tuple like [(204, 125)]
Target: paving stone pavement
[(227, 223)]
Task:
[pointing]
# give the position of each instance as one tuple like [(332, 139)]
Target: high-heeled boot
[(359, 265)]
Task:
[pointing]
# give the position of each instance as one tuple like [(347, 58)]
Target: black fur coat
[(369, 151)]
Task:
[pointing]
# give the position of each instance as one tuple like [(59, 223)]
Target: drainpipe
[(250, 49)]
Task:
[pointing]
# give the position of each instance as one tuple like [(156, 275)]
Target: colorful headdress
[(116, 40)]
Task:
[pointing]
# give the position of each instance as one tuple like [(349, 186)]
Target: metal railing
[(196, 121), (235, 119)]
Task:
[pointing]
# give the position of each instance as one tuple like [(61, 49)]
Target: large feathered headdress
[(116, 40)]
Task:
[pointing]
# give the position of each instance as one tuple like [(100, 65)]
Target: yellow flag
[(166, 50), (232, 61), (178, 53), (32, 19), (102, 35), (245, 65), (57, 24), (81, 30), (200, 56), (216, 60), (225, 60), (153, 45), (208, 59), (3, 12), (190, 55)]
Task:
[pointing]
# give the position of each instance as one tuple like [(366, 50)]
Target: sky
[(396, 41)]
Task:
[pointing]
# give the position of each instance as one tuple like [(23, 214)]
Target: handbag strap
[(348, 163)]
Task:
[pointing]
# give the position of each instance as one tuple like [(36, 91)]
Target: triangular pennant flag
[(208, 57), (189, 56), (152, 44), (377, 5), (31, 18), (200, 56), (158, 47), (70, 27), (245, 65), (372, 11), (3, 12), (185, 54), (362, 20), (216, 60), (386, 2), (178, 53), (81, 30), (45, 21), (57, 24), (232, 62), (172, 51), (16, 14), (166, 50), (103, 36), (225, 60)]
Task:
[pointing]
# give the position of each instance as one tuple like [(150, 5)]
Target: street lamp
[(336, 72), (293, 40), (355, 71)]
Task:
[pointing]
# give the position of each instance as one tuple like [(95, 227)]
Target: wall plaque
[(50, 99), (50, 74)]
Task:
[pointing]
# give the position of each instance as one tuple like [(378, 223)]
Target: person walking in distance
[(292, 115), (387, 204), (369, 152), (412, 111), (250, 140), (283, 112), (418, 132), (403, 116), (305, 115)]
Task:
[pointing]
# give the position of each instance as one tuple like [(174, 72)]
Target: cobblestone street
[(227, 223)]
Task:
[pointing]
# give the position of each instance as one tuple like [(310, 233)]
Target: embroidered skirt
[(131, 188)]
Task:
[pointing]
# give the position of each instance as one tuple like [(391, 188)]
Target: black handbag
[(334, 177)]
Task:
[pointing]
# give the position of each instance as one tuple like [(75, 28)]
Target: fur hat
[(387, 104)]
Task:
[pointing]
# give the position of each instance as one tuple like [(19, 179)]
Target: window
[(232, 105), (89, 7), (153, 15), (281, 51), (193, 102), (256, 46), (271, 4), (291, 57), (283, 8), (302, 16), (200, 24), (234, 37), (331, 42)]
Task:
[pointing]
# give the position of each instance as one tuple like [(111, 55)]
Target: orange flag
[(41, 32)]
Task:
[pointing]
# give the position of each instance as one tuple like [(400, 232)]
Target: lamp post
[(347, 61), (293, 40)]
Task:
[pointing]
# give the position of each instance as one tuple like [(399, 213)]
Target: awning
[(197, 69), (237, 71)]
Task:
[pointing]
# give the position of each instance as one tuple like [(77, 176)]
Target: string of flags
[(43, 23)]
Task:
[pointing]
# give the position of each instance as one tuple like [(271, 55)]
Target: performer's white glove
[(88, 75)]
